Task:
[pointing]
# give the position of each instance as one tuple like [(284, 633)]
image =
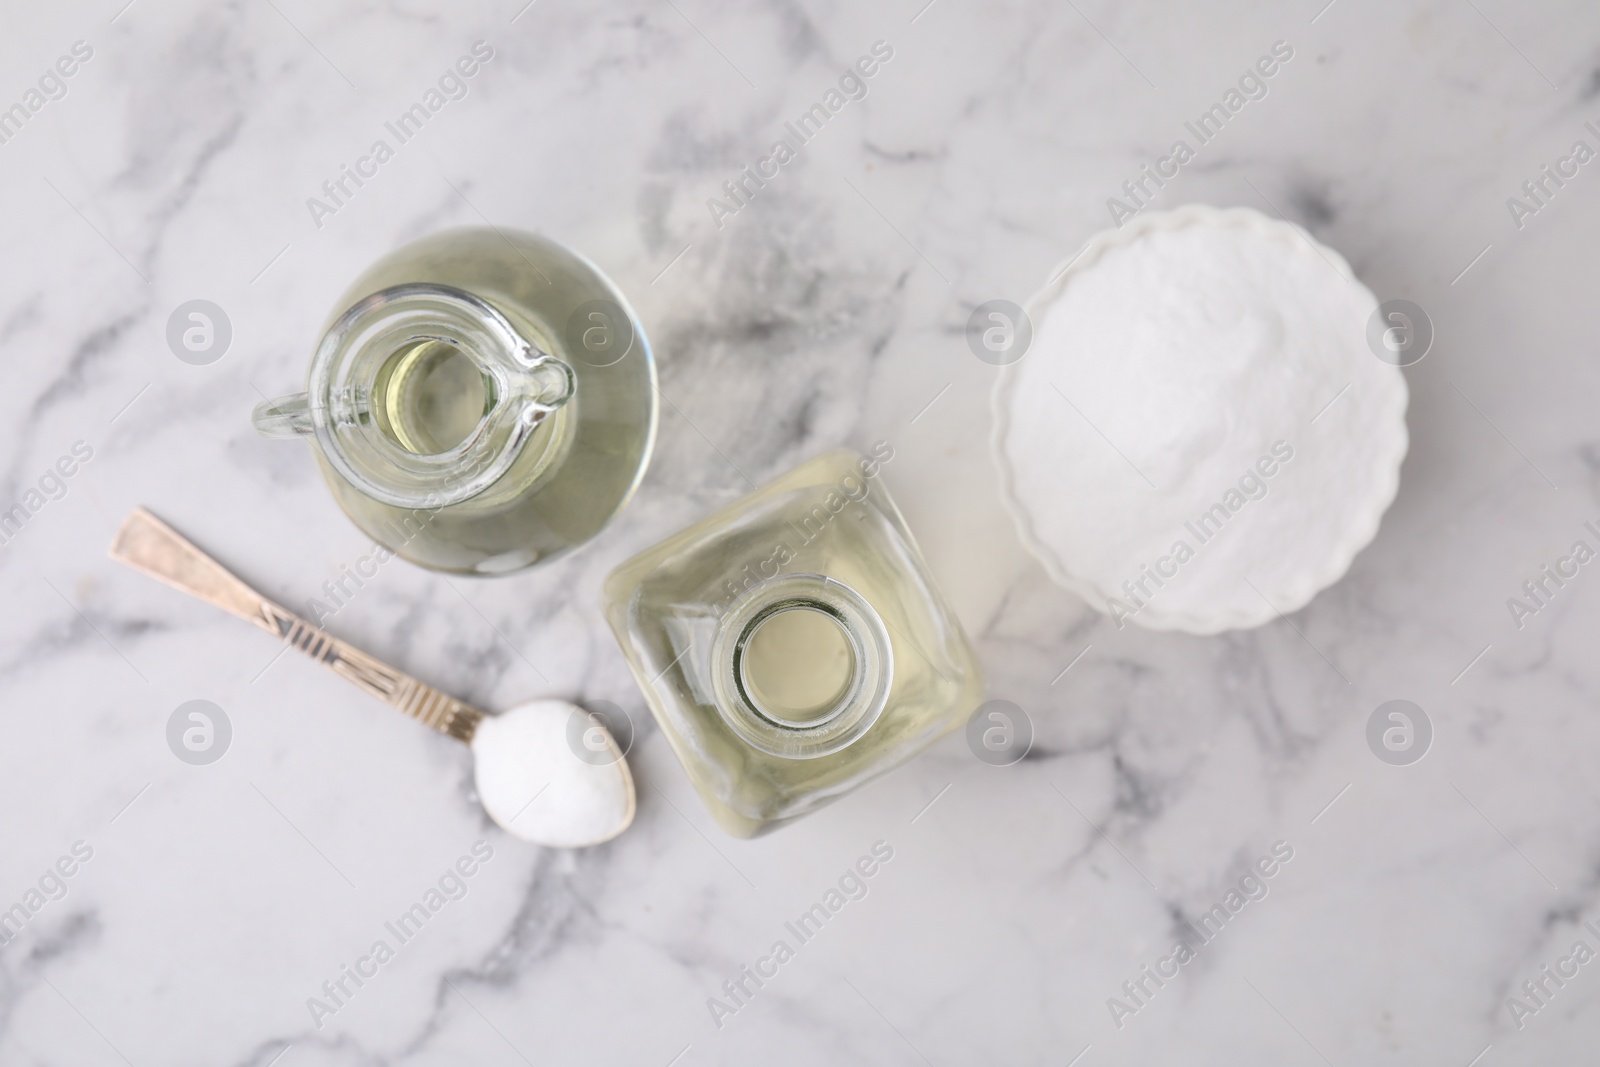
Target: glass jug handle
[(287, 416)]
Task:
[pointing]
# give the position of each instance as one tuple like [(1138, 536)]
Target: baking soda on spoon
[(539, 786)]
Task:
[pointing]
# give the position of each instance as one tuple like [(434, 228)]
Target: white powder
[(1165, 381), (534, 783)]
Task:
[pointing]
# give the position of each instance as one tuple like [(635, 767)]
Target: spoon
[(531, 777)]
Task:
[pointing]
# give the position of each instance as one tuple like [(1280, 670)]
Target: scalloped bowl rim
[(1307, 583)]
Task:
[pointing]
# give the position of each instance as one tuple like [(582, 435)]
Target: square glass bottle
[(793, 646)]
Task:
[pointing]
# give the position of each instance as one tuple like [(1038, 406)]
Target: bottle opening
[(797, 664), (422, 395), (801, 666), (429, 396)]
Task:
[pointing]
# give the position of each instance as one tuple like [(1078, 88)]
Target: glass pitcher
[(482, 400)]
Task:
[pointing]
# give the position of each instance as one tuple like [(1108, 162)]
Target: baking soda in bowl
[(1199, 436)]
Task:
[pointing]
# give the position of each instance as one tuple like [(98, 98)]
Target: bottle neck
[(423, 395), (801, 666)]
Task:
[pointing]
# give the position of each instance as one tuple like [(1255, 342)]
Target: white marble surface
[(219, 898)]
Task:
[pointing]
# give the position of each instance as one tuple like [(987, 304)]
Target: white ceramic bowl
[(1347, 526)]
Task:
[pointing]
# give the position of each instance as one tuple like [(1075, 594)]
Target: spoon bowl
[(537, 788)]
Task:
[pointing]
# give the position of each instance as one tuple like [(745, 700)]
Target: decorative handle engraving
[(147, 544)]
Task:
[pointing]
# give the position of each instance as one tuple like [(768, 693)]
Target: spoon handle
[(147, 544)]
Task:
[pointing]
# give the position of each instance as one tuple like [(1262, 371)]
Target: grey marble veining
[(217, 900)]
